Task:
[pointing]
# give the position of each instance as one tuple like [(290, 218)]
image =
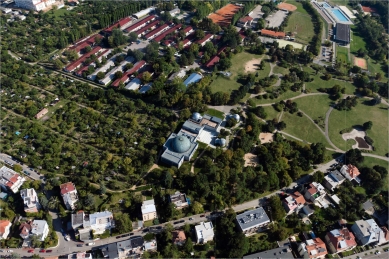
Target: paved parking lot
[(140, 46), (276, 19), (256, 14)]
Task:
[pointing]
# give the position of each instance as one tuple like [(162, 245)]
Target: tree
[(103, 189), (53, 203), (89, 200), (168, 181), (276, 208), (133, 36), (146, 77), (87, 49), (354, 157), (197, 207), (188, 246), (138, 55), (367, 125), (18, 168), (199, 34), (100, 75), (318, 177), (123, 223)]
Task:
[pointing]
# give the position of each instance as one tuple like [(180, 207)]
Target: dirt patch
[(359, 137), (224, 15), (252, 65), (360, 62), (361, 143), (286, 6), (266, 137), (250, 160)]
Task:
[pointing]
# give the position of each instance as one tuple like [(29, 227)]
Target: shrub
[(369, 140), (346, 130)]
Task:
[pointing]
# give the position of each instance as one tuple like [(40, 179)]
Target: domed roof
[(196, 116), (236, 117), (180, 144), (222, 142)]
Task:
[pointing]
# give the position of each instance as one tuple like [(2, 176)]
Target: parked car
[(91, 244), (80, 245), (49, 251), (42, 251), (117, 237), (131, 234), (190, 218), (31, 251), (202, 216)]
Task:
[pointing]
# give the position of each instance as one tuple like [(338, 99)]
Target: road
[(8, 159), (382, 255)]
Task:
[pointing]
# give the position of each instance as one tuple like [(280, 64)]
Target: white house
[(30, 200), (10, 180), (5, 225), (149, 211), (98, 221), (367, 232), (40, 229), (69, 195), (204, 232)]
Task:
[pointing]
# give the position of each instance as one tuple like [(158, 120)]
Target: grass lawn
[(265, 72), (375, 67), (320, 83), (215, 113), (342, 54), (284, 96), (58, 13), (301, 26), (357, 41), (303, 128), (271, 112), (280, 70), (227, 85), (299, 6), (378, 114), (314, 106)]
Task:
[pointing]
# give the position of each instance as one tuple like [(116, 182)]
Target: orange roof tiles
[(368, 9), (353, 171), (273, 33), (67, 187)]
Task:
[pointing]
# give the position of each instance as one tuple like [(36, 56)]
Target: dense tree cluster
[(315, 43)]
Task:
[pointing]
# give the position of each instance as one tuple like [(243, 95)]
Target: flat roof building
[(144, 12), (193, 78), (342, 33), (149, 211), (179, 200), (204, 232), (253, 221), (283, 252), (30, 200)]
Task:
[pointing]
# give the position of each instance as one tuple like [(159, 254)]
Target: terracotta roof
[(386, 233), (171, 30), (353, 171), (298, 197), (67, 187), (178, 236), (212, 61), (156, 30), (187, 29), (312, 189), (120, 23), (148, 26), (25, 228), (79, 61), (273, 33), (319, 246), (206, 37), (245, 19), (3, 225), (346, 236), (137, 24), (138, 65), (368, 9)]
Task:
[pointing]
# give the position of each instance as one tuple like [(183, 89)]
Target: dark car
[(159, 227), (177, 222), (117, 237), (42, 251), (202, 216), (146, 230), (131, 234), (182, 221), (126, 235), (80, 245), (49, 251)]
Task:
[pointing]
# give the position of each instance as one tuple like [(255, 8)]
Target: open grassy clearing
[(318, 82), (314, 106), (357, 41), (299, 6), (284, 96), (266, 70), (301, 26), (223, 84), (215, 113), (360, 114), (280, 70), (377, 67), (58, 13), (342, 54), (303, 128), (271, 113)]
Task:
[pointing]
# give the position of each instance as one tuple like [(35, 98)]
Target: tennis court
[(288, 7), (360, 62), (224, 15)]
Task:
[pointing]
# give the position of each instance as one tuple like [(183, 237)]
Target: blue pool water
[(325, 5), (341, 17)]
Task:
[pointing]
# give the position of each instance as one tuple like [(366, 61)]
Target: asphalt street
[(32, 174)]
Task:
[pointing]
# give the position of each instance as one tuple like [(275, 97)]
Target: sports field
[(301, 26), (224, 15), (287, 6), (342, 54), (360, 62)]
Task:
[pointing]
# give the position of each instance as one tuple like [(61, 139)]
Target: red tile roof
[(119, 23), (212, 61), (245, 19), (298, 197), (79, 72), (67, 187), (345, 235), (187, 29), (206, 37), (319, 246), (3, 225), (139, 23), (138, 65), (81, 45), (148, 26), (171, 30), (78, 62), (276, 34), (353, 171), (368, 9), (155, 31)]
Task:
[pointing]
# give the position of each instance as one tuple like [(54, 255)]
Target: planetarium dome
[(181, 144)]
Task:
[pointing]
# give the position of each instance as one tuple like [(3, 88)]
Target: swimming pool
[(339, 15), (325, 5)]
